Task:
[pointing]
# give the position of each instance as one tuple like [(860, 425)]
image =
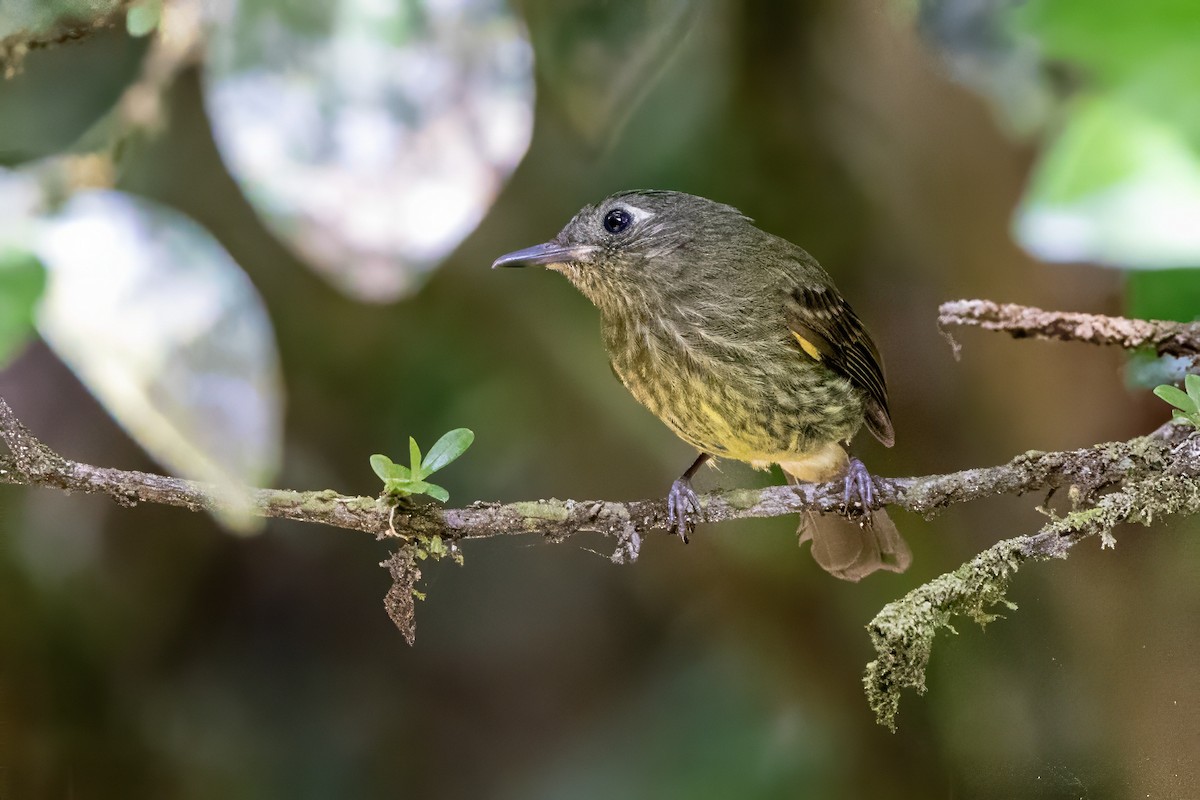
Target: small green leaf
[(407, 486), (414, 457), (388, 470), (449, 447), (436, 492), (382, 465), (1192, 383), (1177, 398), (397, 486), (437, 548), (400, 480)]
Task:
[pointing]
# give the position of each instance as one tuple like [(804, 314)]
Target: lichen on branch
[(1159, 478)]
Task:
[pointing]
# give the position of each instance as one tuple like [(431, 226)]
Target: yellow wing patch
[(808, 346)]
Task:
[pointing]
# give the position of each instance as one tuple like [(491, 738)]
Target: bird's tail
[(851, 548)]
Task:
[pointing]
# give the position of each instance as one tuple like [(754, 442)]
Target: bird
[(740, 343)]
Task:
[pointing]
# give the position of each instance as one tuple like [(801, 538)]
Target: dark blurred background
[(147, 653)]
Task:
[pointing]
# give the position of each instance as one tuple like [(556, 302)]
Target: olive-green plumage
[(735, 338)]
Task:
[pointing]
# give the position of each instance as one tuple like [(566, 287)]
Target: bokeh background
[(253, 240)]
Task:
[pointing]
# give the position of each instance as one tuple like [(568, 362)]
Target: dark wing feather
[(821, 317)]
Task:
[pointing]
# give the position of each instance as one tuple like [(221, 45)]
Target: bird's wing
[(827, 329)]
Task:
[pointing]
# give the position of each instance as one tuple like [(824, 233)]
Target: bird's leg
[(858, 492), (683, 506)]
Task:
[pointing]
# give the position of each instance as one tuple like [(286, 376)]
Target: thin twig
[(1167, 338)]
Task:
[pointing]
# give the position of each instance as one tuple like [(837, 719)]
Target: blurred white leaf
[(20, 203), (169, 334), (1117, 187), (371, 135)]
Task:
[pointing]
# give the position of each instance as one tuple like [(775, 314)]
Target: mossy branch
[(1160, 479), (30, 462), (1133, 481), (902, 633)]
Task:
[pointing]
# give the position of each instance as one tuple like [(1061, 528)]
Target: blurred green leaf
[(143, 17), (22, 281), (35, 18), (452, 445), (1120, 183), (1172, 294), (1144, 51), (61, 93), (1115, 187), (1099, 147)]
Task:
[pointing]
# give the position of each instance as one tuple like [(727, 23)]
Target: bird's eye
[(617, 220)]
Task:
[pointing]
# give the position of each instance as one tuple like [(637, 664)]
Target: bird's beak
[(544, 255)]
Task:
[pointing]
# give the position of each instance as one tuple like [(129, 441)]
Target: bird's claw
[(858, 492), (683, 508)]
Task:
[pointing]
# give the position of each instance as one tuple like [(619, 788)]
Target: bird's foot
[(683, 508), (858, 493)]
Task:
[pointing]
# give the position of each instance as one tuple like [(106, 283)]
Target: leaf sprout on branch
[(401, 481), (1187, 404)]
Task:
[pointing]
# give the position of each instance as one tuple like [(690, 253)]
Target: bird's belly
[(734, 411)]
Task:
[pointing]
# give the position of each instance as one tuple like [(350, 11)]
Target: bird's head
[(637, 244)]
